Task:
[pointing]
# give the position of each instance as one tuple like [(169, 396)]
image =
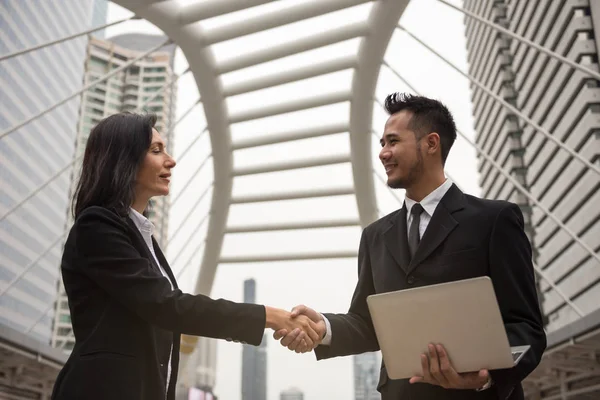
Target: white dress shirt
[(429, 203), (146, 228)]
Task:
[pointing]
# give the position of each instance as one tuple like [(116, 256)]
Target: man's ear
[(432, 142)]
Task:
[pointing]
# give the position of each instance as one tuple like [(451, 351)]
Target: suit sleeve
[(511, 271), (107, 256), (353, 333)]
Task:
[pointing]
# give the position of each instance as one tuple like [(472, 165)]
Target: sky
[(325, 285)]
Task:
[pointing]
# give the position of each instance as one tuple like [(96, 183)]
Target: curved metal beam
[(166, 16), (382, 20)]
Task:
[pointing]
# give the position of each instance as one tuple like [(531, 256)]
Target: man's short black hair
[(428, 116)]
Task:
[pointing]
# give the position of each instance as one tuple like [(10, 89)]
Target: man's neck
[(424, 187)]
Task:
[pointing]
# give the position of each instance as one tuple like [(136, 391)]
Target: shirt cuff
[(327, 339)]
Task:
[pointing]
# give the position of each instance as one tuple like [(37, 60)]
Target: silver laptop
[(463, 316)]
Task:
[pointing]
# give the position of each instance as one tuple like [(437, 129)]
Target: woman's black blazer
[(125, 315)]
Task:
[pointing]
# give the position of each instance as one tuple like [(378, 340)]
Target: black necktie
[(413, 233)]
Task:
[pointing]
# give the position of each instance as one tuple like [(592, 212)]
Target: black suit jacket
[(467, 237), (126, 316)]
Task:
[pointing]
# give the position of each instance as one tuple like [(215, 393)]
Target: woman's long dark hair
[(114, 151)]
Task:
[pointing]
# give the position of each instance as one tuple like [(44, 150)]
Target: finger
[(312, 332), (302, 347), (279, 334), (434, 366), (297, 341), (289, 338), (301, 309), (309, 342), (446, 368), (483, 375), (417, 379), (426, 370)]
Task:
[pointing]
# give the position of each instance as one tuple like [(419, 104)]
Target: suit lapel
[(164, 263), (441, 224), (396, 239)]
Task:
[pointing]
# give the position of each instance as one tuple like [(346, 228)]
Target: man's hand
[(292, 340), (438, 370)]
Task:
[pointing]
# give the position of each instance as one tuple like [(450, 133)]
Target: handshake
[(301, 330)]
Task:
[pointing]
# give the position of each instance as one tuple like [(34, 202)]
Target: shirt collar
[(141, 222), (431, 201)]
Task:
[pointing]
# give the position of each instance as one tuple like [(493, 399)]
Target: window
[(97, 64)]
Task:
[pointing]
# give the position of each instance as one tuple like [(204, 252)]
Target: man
[(439, 235)]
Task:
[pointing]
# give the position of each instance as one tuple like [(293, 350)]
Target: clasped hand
[(297, 339), (302, 333)]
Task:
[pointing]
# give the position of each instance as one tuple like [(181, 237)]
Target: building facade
[(254, 359), (31, 236), (291, 394), (564, 102), (129, 90), (366, 376)]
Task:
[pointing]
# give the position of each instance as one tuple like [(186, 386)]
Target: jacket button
[(411, 279)]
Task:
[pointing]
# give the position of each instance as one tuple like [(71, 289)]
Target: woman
[(126, 310)]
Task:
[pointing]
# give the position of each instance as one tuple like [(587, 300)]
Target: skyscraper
[(129, 90), (99, 17), (31, 236), (564, 102), (291, 394), (254, 359), (366, 376)]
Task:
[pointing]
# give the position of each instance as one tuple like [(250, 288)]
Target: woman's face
[(154, 175)]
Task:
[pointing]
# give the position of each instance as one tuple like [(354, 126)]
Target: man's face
[(401, 152)]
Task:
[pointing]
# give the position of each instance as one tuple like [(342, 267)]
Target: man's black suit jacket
[(467, 237), (126, 316)]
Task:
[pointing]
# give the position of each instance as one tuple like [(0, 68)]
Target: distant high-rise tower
[(366, 376), (564, 102), (99, 17), (291, 394), (254, 359), (128, 90), (34, 154)]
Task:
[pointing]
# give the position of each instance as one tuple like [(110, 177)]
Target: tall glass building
[(31, 235), (366, 376), (254, 359)]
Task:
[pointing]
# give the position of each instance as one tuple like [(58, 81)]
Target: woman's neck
[(139, 205)]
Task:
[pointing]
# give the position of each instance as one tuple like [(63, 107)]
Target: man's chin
[(396, 183)]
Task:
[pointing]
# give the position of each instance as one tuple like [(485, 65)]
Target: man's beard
[(413, 175)]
